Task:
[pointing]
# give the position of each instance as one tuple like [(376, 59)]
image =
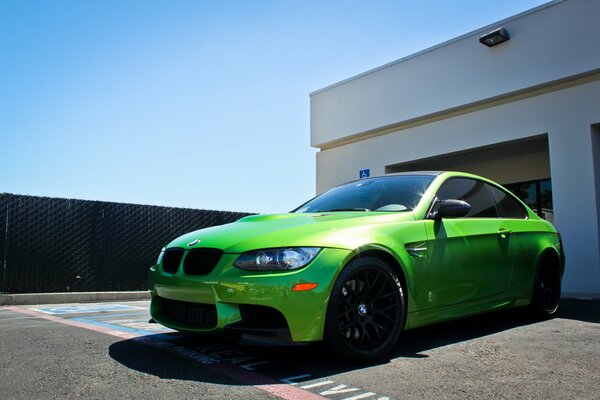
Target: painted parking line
[(79, 324), (231, 362), (115, 326), (85, 309), (138, 314)]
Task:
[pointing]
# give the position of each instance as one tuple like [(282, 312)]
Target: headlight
[(276, 259), (160, 256)]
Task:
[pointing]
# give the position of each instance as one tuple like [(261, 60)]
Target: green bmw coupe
[(360, 263)]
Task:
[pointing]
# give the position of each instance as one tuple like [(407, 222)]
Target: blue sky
[(192, 103)]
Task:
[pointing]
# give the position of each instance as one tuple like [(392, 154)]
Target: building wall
[(547, 44), (461, 97)]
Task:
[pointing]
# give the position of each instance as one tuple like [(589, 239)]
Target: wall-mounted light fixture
[(494, 37)]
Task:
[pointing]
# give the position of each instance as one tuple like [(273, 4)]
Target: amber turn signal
[(300, 287)]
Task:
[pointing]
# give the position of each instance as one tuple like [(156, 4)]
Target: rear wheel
[(546, 290), (366, 311)]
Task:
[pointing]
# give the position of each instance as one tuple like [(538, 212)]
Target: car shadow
[(277, 362), (138, 356), (414, 342), (580, 310)]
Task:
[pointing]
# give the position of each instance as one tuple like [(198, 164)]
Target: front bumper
[(226, 297)]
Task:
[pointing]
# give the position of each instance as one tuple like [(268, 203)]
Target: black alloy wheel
[(366, 311), (546, 291)]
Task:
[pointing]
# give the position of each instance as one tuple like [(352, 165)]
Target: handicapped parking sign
[(364, 173)]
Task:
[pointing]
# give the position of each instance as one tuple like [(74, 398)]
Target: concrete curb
[(71, 297)]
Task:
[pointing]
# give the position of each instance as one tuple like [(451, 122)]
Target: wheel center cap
[(362, 310)]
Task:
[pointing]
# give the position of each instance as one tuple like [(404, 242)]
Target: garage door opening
[(522, 166)]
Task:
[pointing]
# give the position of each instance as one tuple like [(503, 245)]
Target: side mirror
[(449, 209)]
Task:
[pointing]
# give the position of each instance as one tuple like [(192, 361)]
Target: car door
[(522, 251), (468, 255)]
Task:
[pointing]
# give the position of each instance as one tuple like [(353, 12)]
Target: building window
[(537, 195)]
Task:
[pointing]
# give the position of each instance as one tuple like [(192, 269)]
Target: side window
[(473, 192), (506, 205)]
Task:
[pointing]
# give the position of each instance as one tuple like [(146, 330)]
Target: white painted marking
[(312, 385), (121, 321), (226, 353), (209, 348), (145, 326), (250, 367), (360, 396), (383, 398), (194, 355), (238, 360), (291, 380), (81, 309), (339, 389)]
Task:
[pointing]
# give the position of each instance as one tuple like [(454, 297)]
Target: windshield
[(386, 193)]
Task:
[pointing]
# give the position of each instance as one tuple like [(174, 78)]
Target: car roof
[(433, 173), (408, 173)]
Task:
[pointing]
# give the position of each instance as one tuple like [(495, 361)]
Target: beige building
[(525, 112)]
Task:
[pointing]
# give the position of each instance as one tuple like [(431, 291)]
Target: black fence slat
[(66, 245)]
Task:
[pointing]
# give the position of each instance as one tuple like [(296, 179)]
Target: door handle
[(504, 232)]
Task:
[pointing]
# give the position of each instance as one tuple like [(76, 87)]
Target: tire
[(366, 311), (546, 290)]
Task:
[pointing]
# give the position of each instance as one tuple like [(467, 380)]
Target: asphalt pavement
[(109, 350)]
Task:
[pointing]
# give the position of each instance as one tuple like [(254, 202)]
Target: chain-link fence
[(65, 245)]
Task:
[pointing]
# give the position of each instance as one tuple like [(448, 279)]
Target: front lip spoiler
[(248, 331)]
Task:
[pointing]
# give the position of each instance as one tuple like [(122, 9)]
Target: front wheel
[(366, 311)]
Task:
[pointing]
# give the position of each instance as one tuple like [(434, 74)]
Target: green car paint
[(449, 267)]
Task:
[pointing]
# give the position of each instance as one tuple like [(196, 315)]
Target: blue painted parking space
[(86, 308)]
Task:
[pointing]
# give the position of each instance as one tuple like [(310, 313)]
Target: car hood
[(346, 230)]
